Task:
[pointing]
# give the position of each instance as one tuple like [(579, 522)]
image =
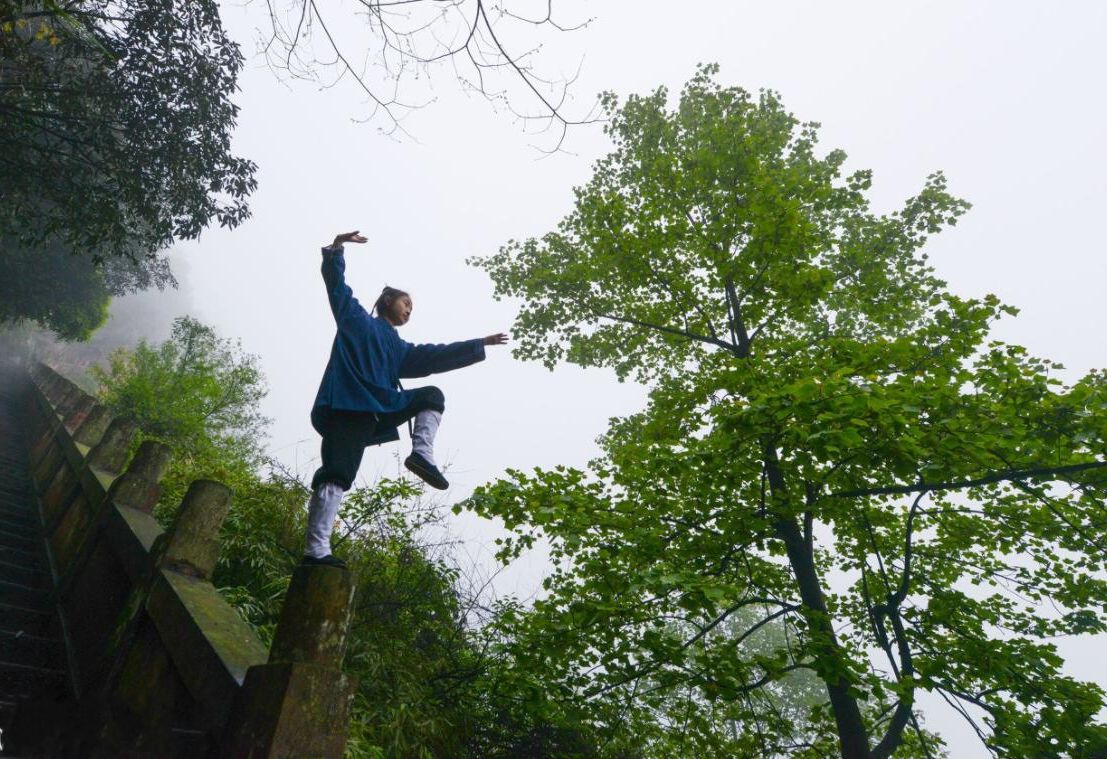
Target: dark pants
[(346, 433)]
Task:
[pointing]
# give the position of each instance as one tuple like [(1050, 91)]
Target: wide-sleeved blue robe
[(368, 357)]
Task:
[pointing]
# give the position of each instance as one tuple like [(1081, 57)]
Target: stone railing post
[(94, 426), (78, 411), (71, 401), (54, 385), (137, 488), (192, 546), (48, 456), (60, 392), (297, 704), (110, 453), (315, 618), (141, 690), (110, 456), (43, 422), (161, 664), (70, 507)]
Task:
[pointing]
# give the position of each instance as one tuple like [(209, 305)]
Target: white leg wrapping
[(322, 513), (423, 432)]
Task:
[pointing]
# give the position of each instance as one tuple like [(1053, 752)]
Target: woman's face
[(400, 311)]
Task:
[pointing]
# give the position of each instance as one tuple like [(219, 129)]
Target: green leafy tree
[(67, 293), (116, 120), (832, 439), (197, 391), (430, 681)]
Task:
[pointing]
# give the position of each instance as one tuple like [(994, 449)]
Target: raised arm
[(432, 358), (339, 294)]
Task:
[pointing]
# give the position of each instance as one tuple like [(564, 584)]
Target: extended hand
[(497, 339), (348, 237)]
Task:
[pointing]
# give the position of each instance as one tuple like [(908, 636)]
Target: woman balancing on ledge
[(359, 401)]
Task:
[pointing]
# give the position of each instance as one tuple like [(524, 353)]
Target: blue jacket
[(368, 357)]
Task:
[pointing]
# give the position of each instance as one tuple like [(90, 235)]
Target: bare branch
[(407, 37), (547, 20)]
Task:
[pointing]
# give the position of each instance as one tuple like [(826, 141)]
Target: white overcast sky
[(1005, 97)]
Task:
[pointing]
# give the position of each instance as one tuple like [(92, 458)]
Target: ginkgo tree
[(834, 447)]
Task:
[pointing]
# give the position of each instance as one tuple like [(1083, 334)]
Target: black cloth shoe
[(426, 471), (330, 560)]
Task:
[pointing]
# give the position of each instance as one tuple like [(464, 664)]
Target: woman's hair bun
[(388, 294)]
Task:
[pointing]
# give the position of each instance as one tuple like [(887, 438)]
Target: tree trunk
[(852, 735)]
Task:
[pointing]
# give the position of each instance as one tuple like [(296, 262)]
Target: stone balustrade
[(160, 664)]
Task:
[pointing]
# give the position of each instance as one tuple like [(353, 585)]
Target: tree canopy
[(834, 446), (67, 293), (116, 124), (196, 390)]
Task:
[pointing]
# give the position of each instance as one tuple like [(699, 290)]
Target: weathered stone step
[(30, 650), (19, 682), (16, 493), (7, 721), (23, 525), (15, 594), (17, 504), (18, 514), (13, 555), (15, 618), (18, 542), (31, 575)]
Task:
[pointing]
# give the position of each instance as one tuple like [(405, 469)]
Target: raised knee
[(435, 398)]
